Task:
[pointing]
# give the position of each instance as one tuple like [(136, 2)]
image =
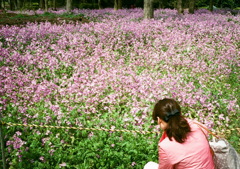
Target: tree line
[(148, 5)]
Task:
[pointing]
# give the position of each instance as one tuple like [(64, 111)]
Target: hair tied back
[(170, 114)]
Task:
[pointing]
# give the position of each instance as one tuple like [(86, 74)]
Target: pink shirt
[(194, 153)]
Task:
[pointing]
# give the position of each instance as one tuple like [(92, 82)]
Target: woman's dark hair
[(169, 111)]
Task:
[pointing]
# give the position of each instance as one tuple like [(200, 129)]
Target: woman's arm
[(164, 161)]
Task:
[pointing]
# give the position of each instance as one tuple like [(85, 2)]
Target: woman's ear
[(159, 120)]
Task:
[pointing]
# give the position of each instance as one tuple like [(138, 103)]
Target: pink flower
[(91, 134), (51, 152), (18, 133), (133, 164), (41, 158), (63, 165)]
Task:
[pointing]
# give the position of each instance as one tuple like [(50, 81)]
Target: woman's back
[(194, 153)]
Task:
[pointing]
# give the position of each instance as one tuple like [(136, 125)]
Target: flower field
[(108, 73)]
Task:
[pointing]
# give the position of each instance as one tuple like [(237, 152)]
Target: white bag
[(225, 156), (151, 165)]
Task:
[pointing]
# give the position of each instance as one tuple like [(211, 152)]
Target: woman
[(183, 144)]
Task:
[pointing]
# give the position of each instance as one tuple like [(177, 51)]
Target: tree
[(19, 4), (1, 5), (30, 4), (100, 4), (160, 4), (179, 7), (54, 5), (211, 5), (191, 6), (11, 4), (117, 4), (46, 5), (41, 4), (69, 6), (148, 9)]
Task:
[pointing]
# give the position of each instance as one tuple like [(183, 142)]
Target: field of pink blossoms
[(108, 74)]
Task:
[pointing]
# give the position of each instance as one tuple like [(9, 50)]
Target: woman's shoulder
[(167, 144), (197, 126), (191, 121), (194, 124)]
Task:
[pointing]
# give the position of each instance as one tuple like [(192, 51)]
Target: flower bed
[(108, 73)]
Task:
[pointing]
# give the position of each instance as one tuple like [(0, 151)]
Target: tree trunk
[(148, 9), (30, 5), (46, 5), (211, 5), (54, 5), (15, 4), (19, 4), (41, 4), (69, 6), (11, 5), (1, 5), (185, 4), (115, 4), (119, 4), (179, 7), (191, 6), (24, 4), (99, 4), (160, 5)]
